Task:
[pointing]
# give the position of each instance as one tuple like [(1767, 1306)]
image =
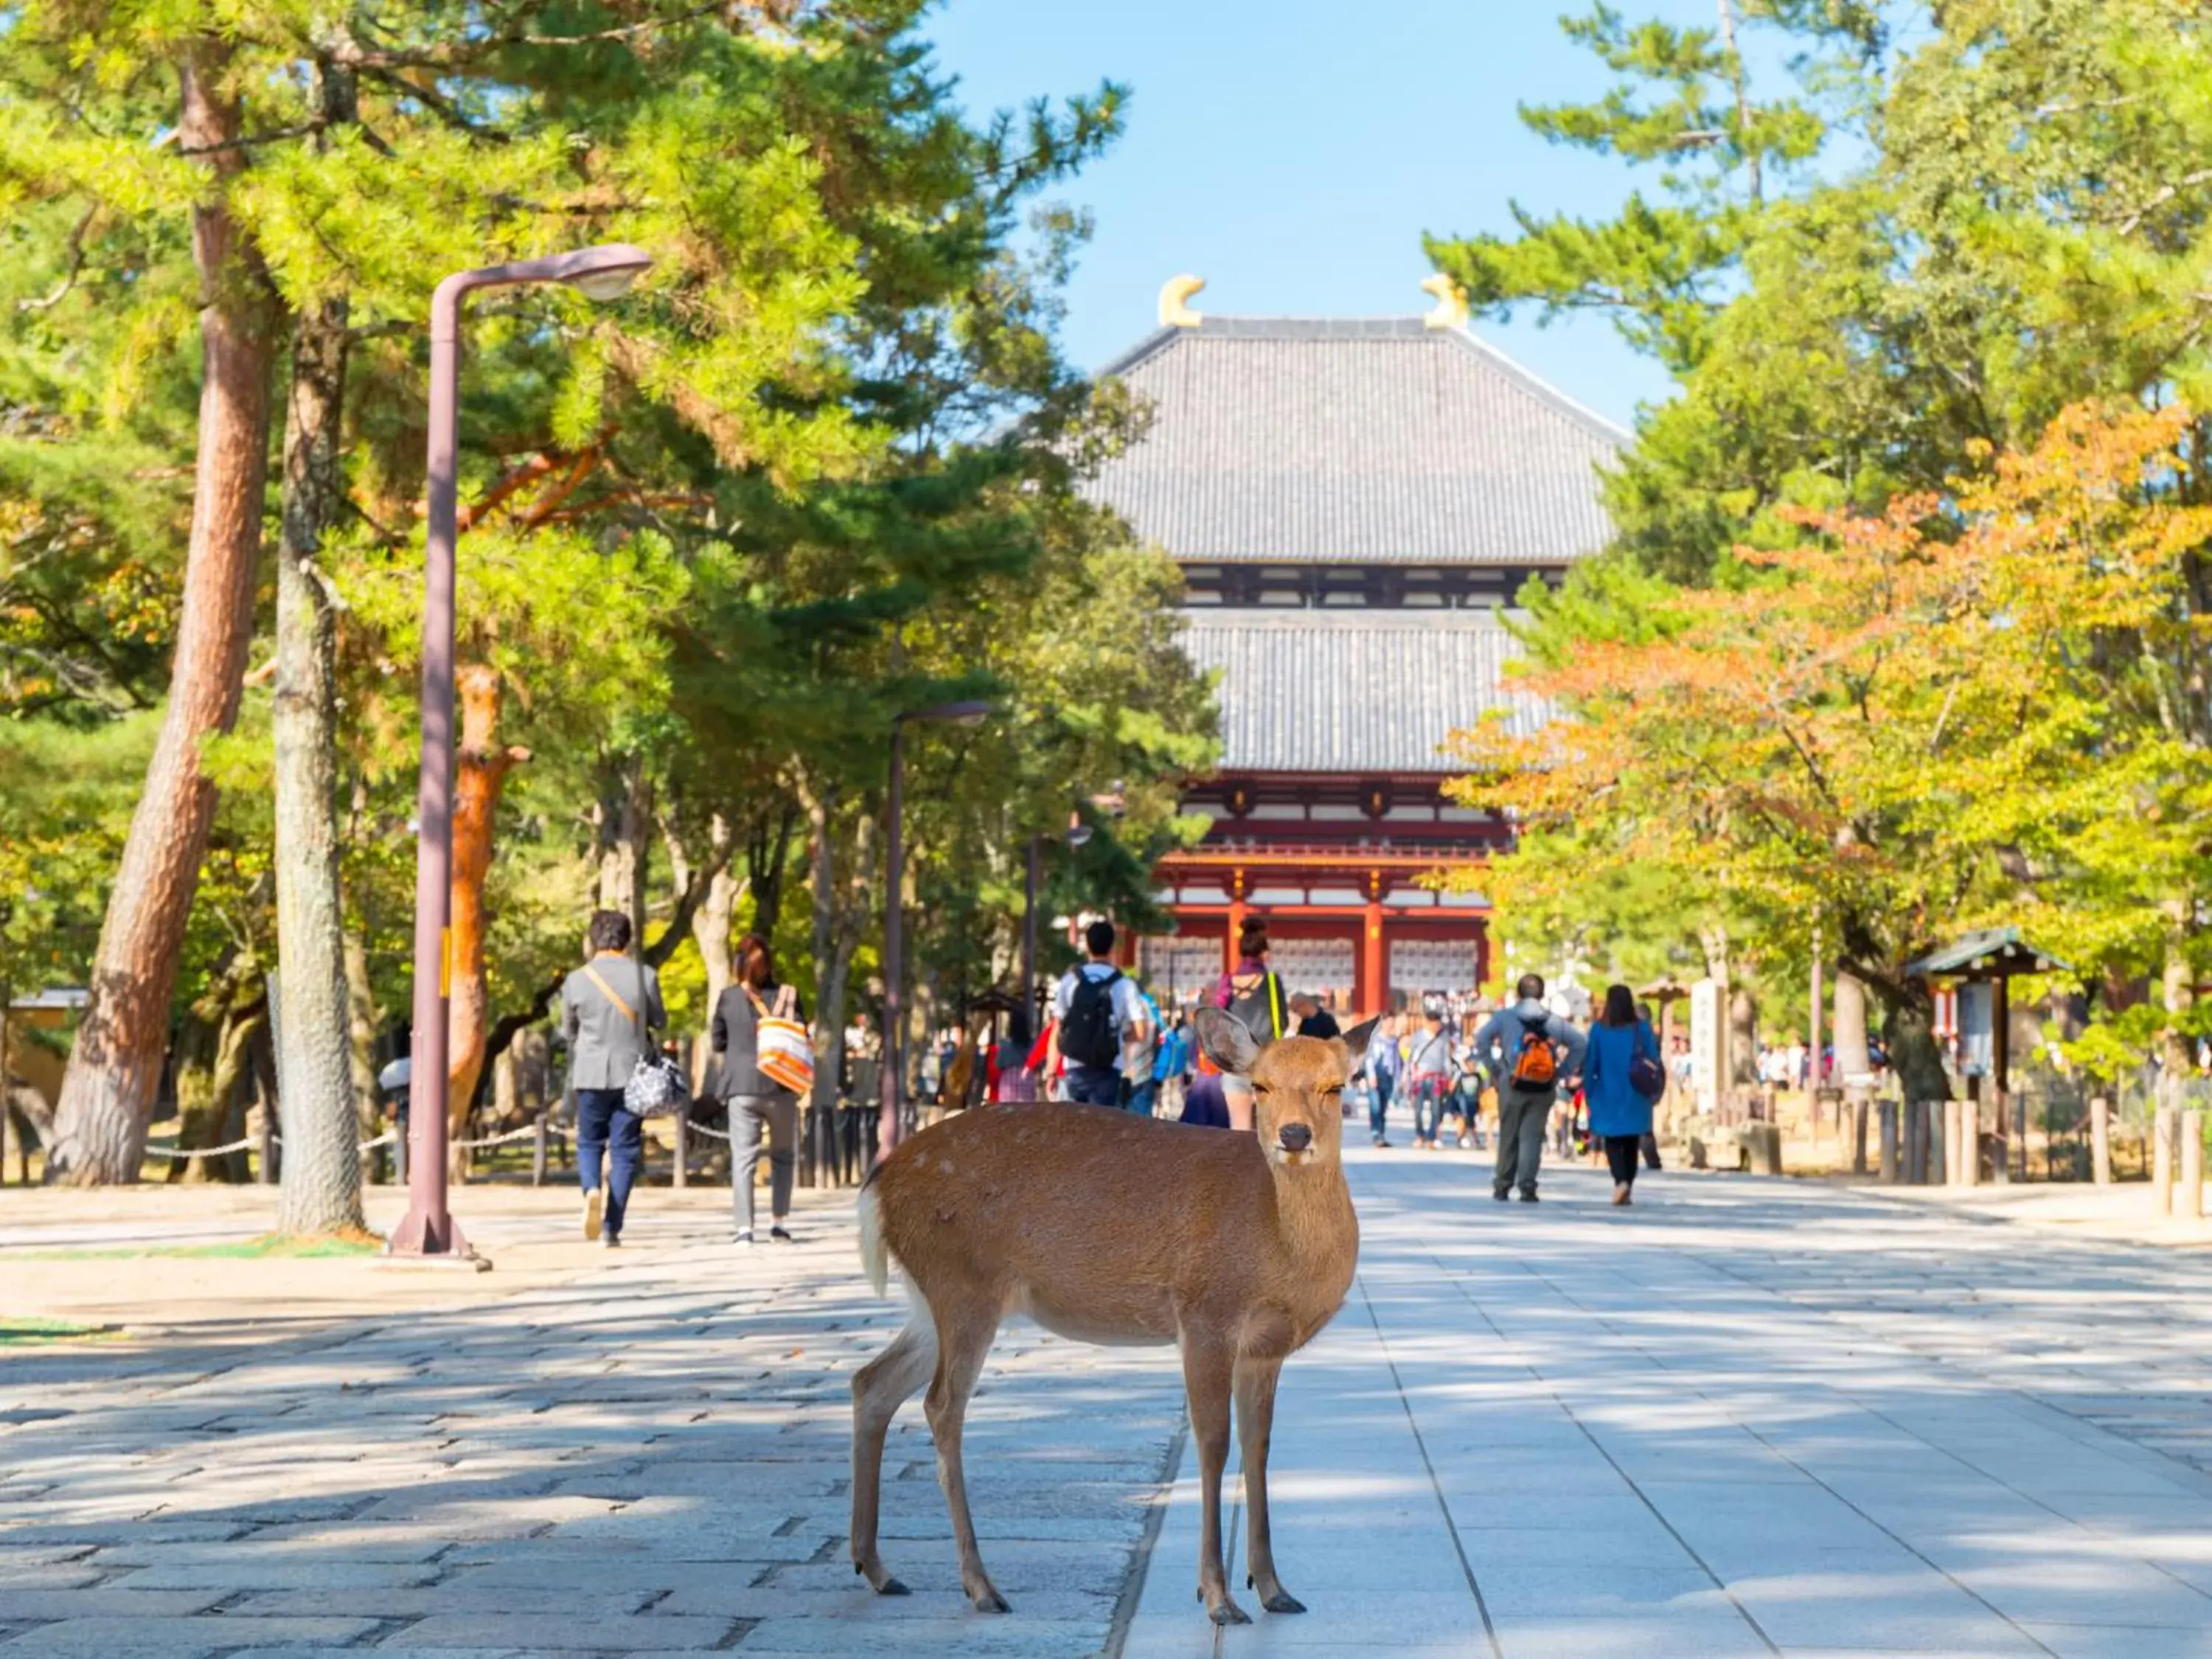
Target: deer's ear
[(1354, 1042), (1224, 1041)]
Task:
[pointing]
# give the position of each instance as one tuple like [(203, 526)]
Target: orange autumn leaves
[(1918, 721)]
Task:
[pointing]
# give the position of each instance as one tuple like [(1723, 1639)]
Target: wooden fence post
[(2101, 1142), (2161, 1161), (683, 1145), (267, 1149), (1857, 1097), (1888, 1109), (2192, 1165), (538, 1148), (1970, 1143), (1946, 1147)]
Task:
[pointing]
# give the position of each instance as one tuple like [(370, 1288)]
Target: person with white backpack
[(767, 1061), (607, 1007)]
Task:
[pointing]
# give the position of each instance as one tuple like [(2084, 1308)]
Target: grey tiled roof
[(1366, 440), (1354, 690)]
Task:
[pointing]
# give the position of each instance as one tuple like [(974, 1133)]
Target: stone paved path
[(1748, 1416)]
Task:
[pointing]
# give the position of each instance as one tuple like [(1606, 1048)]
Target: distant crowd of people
[(1519, 1077)]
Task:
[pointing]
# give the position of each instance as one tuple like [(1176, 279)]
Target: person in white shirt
[(1099, 1017)]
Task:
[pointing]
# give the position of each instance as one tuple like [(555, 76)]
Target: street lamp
[(1076, 835), (598, 273), (891, 1077)]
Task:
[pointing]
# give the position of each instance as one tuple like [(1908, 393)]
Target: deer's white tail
[(874, 1256)]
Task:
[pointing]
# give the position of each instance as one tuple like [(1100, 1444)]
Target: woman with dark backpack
[(1621, 1078), (1252, 992)]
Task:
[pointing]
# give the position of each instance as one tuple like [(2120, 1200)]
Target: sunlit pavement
[(1744, 1417)]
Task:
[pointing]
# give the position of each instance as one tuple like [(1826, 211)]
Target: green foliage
[(819, 467)]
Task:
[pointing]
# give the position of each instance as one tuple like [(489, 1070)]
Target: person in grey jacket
[(757, 1101), (1524, 1109), (608, 1006)]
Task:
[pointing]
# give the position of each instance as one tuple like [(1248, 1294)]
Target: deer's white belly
[(1140, 1317)]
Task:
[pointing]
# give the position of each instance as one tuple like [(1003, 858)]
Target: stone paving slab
[(1747, 1417)]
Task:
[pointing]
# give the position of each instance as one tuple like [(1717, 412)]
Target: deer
[(1106, 1228)]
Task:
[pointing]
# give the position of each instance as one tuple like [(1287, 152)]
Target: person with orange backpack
[(1537, 1052)]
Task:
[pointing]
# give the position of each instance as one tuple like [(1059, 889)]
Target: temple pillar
[(1374, 982), (1237, 913)]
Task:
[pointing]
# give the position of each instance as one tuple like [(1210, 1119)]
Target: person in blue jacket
[(1620, 1112)]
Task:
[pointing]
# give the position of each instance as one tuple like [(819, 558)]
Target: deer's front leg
[(1209, 1366), (1255, 1421)]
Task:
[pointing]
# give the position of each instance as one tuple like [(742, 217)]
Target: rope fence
[(835, 1146)]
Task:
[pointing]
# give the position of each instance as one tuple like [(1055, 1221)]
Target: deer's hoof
[(892, 1587), (990, 1601), (1284, 1602), (1226, 1612)]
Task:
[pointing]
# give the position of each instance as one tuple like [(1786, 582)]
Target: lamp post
[(1077, 833), (891, 1079), (598, 273)]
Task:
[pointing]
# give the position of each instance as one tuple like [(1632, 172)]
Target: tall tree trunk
[(214, 1055), (107, 1095), (2178, 983), (768, 861), (1908, 1030), (484, 764), (314, 1057), (625, 821), (712, 919), (1853, 1059), (841, 916), (361, 1035)]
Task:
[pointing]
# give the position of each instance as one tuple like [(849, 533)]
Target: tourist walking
[(1429, 1075), (1314, 1020), (1012, 1082), (1100, 1018), (1537, 1051), (1143, 1062), (607, 1007), (1254, 992), (757, 1101), (1621, 1076), (1380, 1067)]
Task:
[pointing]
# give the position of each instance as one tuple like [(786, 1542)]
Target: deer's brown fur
[(1108, 1228)]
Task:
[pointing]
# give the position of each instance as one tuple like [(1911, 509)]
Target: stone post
[(1916, 1143), (2161, 1161), (2101, 1142), (1948, 1148), (2192, 1165), (1888, 1109)]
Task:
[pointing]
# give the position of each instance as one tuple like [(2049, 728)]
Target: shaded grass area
[(268, 1247), (19, 1331)]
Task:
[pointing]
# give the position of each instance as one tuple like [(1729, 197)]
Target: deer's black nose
[(1295, 1137)]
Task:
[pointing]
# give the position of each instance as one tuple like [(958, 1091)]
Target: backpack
[(1537, 1066), (1647, 1077), (1090, 1035), (1261, 1009)]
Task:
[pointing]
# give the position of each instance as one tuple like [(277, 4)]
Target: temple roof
[(1367, 440), (1306, 691)]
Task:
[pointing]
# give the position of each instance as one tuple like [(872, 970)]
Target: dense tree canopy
[(820, 467)]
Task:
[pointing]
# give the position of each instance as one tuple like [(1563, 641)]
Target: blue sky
[(1292, 154)]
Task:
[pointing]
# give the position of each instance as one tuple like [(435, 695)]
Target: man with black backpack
[(1536, 1053), (1101, 1019)]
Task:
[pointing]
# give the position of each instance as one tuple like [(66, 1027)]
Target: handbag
[(657, 1085), (783, 1049)]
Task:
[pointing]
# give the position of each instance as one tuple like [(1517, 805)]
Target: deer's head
[(1297, 1085)]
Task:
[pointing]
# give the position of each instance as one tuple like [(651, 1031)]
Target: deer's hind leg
[(880, 1388), (964, 1340)]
